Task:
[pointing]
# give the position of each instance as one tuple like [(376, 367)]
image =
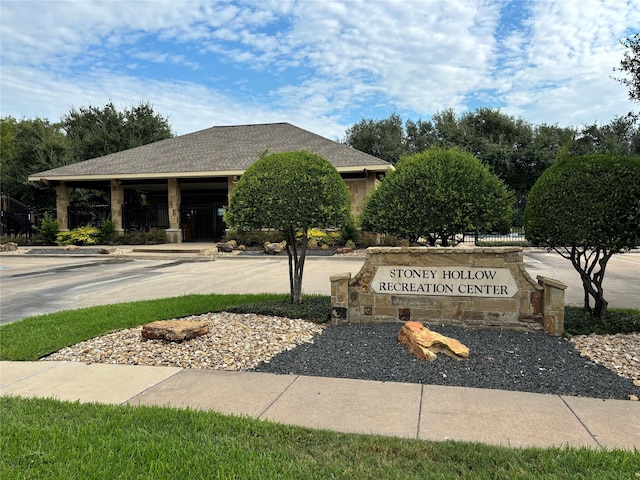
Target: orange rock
[(425, 343)]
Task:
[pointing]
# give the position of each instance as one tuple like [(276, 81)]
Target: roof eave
[(161, 175)]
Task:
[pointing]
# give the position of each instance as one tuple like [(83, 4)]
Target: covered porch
[(189, 210)]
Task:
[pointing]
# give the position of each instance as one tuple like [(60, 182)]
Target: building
[(182, 184)]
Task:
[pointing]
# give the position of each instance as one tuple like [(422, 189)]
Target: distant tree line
[(515, 150), (34, 145)]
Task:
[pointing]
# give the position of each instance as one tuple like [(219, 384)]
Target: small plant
[(86, 235), (618, 320), (350, 233), (155, 236), (49, 229), (107, 231), (254, 238), (315, 308), (318, 238)]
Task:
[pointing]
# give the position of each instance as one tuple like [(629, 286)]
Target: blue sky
[(321, 65)]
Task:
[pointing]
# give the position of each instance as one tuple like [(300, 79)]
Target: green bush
[(49, 229), (587, 209), (578, 322), (20, 240), (436, 195), (155, 236), (86, 235), (107, 231), (318, 237), (349, 232), (254, 238), (315, 308)]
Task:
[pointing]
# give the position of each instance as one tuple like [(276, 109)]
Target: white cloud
[(319, 64)]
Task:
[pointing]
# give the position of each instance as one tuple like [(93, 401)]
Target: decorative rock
[(425, 343), (234, 342), (227, 247), (9, 247), (71, 247), (343, 251), (174, 330), (620, 353), (274, 248)]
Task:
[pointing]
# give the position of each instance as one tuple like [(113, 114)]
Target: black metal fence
[(145, 217), (92, 215), (514, 237), (16, 218)]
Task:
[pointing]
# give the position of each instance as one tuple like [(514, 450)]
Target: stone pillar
[(62, 206), (117, 202), (174, 232), (231, 183), (340, 298), (553, 305)]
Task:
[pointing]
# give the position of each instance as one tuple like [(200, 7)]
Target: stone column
[(174, 232), (62, 206), (231, 183), (553, 305), (340, 298), (117, 202)]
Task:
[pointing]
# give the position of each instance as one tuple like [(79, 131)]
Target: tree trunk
[(585, 262), (296, 264)]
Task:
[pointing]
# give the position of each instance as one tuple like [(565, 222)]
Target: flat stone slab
[(75, 381), (234, 393), (175, 330), (613, 423), (350, 406), (513, 419), (12, 372)]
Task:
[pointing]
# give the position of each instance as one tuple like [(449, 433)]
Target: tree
[(94, 132), (515, 150), (618, 137), (436, 195), (291, 192), (30, 146), (382, 138), (587, 209), (630, 65)]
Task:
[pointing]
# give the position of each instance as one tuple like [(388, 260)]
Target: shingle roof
[(230, 149)]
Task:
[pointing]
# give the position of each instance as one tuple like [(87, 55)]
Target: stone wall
[(480, 287), (359, 189)]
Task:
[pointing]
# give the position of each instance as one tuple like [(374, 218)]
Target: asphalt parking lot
[(31, 284)]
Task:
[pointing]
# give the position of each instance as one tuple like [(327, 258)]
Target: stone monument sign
[(483, 287)]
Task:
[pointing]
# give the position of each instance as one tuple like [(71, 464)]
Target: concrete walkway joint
[(424, 412)]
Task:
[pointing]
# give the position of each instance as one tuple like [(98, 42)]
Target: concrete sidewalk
[(426, 412)]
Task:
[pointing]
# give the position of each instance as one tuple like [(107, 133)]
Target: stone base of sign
[(475, 287)]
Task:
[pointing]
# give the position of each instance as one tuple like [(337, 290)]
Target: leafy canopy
[(291, 192), (588, 201), (297, 190), (436, 195), (587, 209)]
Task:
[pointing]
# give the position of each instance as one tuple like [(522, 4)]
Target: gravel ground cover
[(499, 359)]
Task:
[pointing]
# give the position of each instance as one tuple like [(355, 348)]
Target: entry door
[(202, 222)]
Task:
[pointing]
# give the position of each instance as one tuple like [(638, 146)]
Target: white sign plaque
[(446, 281)]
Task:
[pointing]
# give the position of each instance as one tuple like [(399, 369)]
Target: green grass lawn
[(47, 439)]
